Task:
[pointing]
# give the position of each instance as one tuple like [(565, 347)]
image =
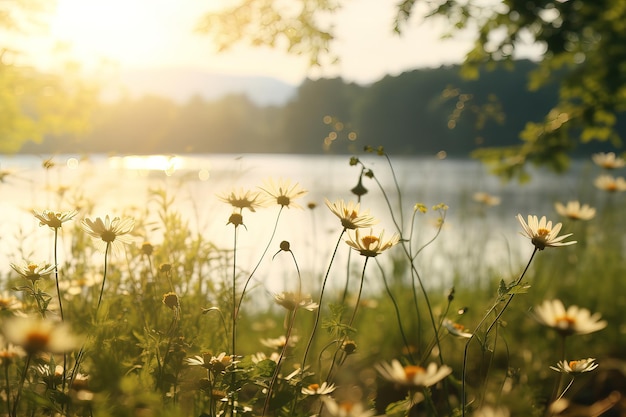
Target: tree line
[(424, 111)]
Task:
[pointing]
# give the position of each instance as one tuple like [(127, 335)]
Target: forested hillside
[(418, 112)]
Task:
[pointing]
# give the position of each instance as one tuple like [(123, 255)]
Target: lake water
[(482, 236)]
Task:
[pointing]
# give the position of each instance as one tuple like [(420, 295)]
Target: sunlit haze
[(143, 34)]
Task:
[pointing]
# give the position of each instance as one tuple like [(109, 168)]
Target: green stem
[(319, 307), (104, 275), (493, 307), (21, 385)]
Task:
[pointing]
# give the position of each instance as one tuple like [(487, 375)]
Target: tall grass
[(142, 313)]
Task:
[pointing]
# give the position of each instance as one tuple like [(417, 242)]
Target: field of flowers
[(117, 325)]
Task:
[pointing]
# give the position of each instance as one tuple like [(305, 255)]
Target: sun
[(133, 33)]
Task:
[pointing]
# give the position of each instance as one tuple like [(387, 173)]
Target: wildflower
[(214, 363), (9, 351), (317, 389), (33, 271), (170, 299), (608, 160), (111, 232), (291, 300), (54, 219), (575, 211), (575, 367), (541, 232), (284, 193), (420, 207), (574, 320), (50, 376), (456, 329), (9, 302), (371, 245), (412, 375), (279, 342), (242, 199), (610, 183), (346, 408), (486, 199), (36, 335), (350, 216), (260, 357)]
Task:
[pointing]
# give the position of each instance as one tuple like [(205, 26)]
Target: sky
[(141, 34)]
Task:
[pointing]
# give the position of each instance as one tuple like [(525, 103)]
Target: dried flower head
[(171, 300), (242, 199)]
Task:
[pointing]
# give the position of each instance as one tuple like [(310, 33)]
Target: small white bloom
[(570, 321), (575, 367), (413, 375), (575, 211), (542, 234)]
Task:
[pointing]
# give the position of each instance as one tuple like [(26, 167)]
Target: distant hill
[(182, 84)]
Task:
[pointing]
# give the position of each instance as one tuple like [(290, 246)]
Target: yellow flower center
[(565, 322), (543, 232), (32, 267), (574, 364), (412, 370), (369, 240), (283, 200), (352, 215), (314, 387)]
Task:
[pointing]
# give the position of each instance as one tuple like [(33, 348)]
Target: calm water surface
[(474, 234)]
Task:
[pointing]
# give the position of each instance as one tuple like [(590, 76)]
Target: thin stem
[(7, 387), (56, 276), (319, 308), (397, 309), (107, 249), (283, 351), (358, 297), (234, 294), (243, 292), (493, 307), (21, 385)]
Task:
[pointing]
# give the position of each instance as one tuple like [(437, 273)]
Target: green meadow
[(117, 324)]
